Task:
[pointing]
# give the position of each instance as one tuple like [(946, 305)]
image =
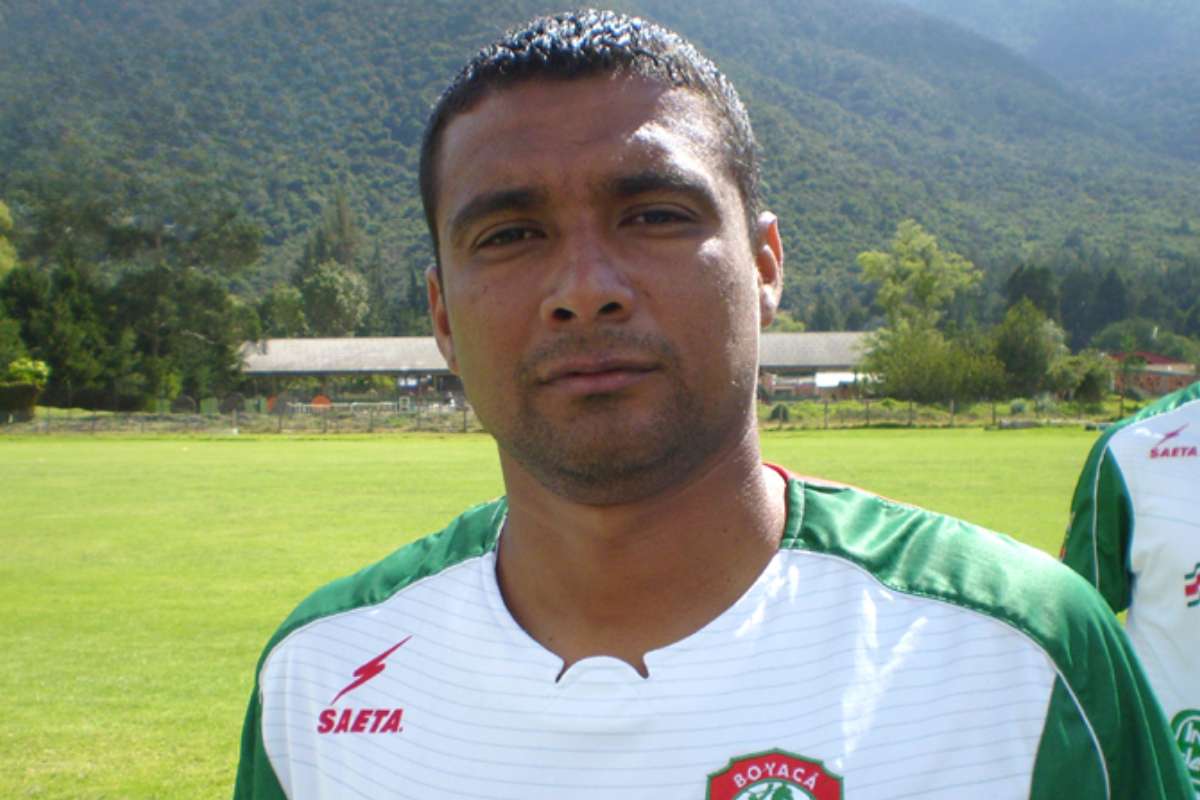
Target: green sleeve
[(255, 777), (1105, 734), (1097, 543)]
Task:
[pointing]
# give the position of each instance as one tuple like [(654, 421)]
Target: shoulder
[(470, 535), (923, 553)]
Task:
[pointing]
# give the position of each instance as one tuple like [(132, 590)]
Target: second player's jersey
[(885, 652), (1135, 534)]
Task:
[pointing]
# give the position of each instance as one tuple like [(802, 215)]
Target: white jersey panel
[(1159, 459), (438, 693)]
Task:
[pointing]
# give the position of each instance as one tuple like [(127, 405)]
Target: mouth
[(591, 376)]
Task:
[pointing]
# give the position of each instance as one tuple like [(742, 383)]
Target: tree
[(26, 370), (1036, 284), (337, 238), (1142, 334), (1131, 363), (188, 330), (1086, 377), (11, 345), (380, 318), (916, 279), (920, 364), (8, 254), (825, 316), (282, 312), (1079, 311), (335, 299), (1112, 298), (1028, 344), (784, 322), (123, 371), (63, 324)]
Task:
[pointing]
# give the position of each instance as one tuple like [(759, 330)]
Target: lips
[(595, 375)]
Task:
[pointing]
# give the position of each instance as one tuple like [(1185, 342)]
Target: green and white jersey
[(885, 652), (1135, 534)]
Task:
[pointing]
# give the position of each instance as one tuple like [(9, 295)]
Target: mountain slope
[(1140, 58), (868, 113)]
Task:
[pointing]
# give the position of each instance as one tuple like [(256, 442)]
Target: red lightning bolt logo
[(370, 669), (1171, 435)]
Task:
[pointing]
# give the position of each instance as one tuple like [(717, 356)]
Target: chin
[(619, 463)]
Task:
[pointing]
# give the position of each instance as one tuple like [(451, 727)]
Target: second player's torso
[(1160, 462)]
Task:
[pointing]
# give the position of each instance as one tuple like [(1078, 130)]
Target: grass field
[(140, 577)]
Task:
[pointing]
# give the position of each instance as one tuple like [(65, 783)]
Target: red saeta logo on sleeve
[(774, 775), (363, 720), (1175, 449)]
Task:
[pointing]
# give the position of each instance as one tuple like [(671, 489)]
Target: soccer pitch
[(141, 577)]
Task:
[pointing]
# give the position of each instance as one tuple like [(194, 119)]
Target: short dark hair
[(583, 44)]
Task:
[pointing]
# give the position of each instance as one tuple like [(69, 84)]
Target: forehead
[(528, 132)]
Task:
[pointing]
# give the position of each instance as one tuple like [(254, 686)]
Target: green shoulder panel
[(470, 535), (1101, 526), (1120, 728)]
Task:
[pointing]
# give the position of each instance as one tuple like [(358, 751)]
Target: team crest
[(774, 775), (1186, 727)]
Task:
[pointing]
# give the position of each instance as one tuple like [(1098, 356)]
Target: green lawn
[(140, 577)]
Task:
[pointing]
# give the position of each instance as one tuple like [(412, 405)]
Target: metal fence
[(294, 419), (453, 416)]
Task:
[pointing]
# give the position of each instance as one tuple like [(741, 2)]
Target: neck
[(624, 579)]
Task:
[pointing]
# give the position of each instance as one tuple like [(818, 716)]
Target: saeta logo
[(1176, 451), (363, 720)]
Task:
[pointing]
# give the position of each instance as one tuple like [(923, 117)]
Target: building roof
[(838, 351), (398, 355), (392, 355)]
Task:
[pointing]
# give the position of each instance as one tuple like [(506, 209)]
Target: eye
[(658, 216), (509, 235)]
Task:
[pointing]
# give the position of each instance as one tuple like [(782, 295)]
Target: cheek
[(729, 282), (487, 323)]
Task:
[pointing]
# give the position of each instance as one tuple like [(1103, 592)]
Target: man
[(1135, 534), (651, 612)]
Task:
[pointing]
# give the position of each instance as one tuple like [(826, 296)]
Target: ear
[(440, 316), (768, 259)]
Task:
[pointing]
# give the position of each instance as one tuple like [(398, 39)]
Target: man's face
[(600, 295)]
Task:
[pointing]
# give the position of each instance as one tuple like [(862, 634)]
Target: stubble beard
[(605, 452)]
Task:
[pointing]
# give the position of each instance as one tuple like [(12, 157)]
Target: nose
[(589, 287)]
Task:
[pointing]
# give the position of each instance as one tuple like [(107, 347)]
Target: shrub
[(28, 371)]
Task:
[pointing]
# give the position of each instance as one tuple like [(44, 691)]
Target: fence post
[(867, 403), (464, 430), (826, 422)]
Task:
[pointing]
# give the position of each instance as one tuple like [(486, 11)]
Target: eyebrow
[(663, 180), (488, 203)]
